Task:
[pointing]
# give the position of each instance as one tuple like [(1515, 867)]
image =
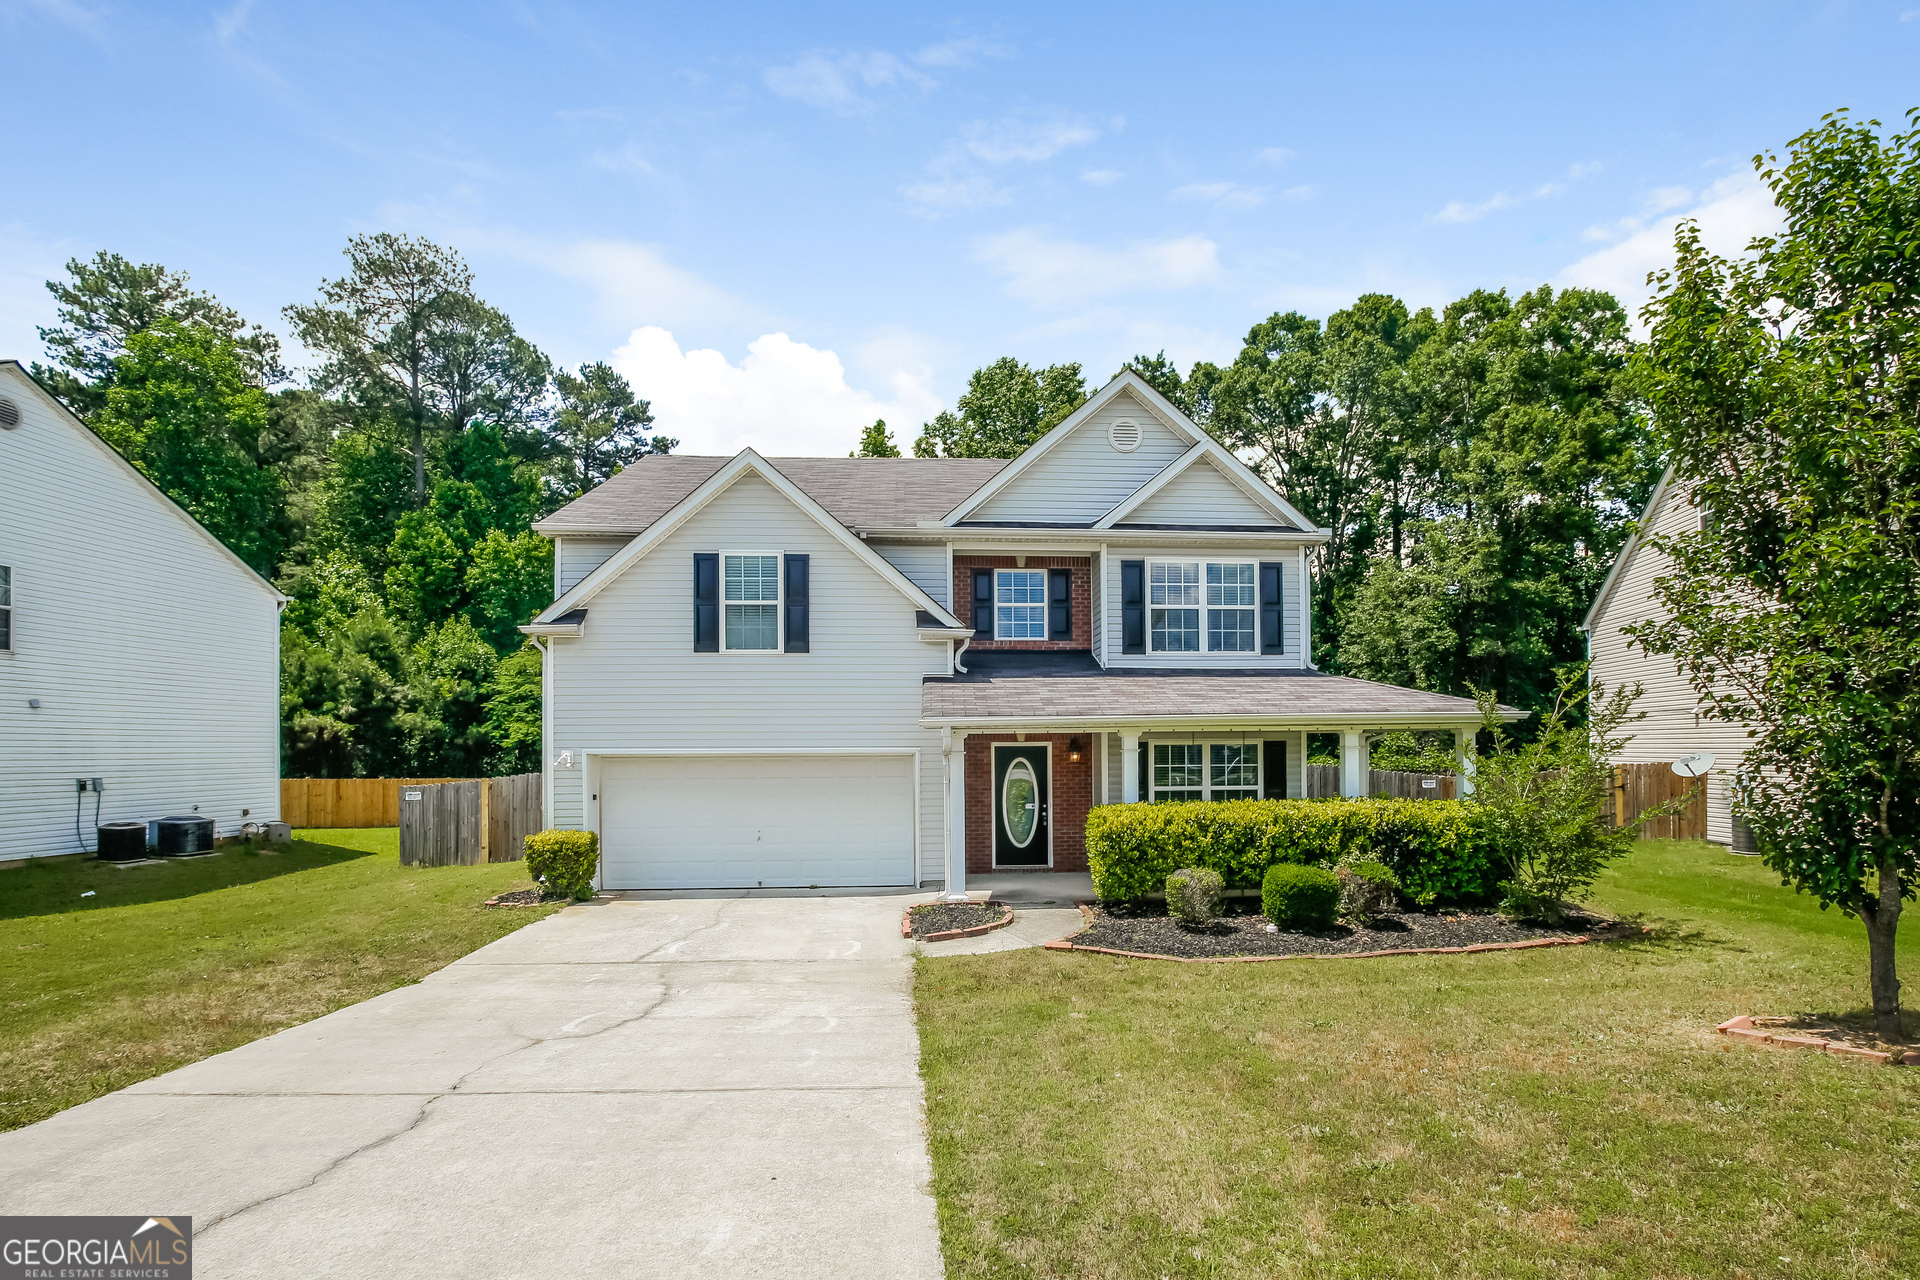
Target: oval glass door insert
[(1020, 802)]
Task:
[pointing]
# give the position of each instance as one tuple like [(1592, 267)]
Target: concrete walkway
[(688, 1088)]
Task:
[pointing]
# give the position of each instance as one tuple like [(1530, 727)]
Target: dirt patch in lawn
[(1151, 931), (525, 898), (950, 917)]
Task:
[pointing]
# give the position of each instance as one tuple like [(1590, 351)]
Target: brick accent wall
[(1082, 568), (1070, 798)]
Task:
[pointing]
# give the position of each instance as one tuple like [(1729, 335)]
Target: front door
[(1020, 836)]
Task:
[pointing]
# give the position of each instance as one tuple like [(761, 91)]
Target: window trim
[(1206, 787), (779, 602), (1044, 606), (1203, 608), (9, 586)]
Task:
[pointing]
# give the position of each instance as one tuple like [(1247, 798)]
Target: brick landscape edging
[(1086, 909), (1741, 1027), (948, 935)]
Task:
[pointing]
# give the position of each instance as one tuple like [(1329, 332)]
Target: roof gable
[(1643, 528), (1199, 490), (1083, 472), (14, 373), (745, 463)]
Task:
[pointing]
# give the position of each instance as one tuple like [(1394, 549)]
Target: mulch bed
[(1151, 932), (955, 918), (524, 898)]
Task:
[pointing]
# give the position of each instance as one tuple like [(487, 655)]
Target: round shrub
[(564, 861), (1367, 890), (1193, 896), (1300, 898)]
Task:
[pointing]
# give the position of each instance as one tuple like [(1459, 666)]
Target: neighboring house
[(1674, 727), (134, 647), (890, 671)]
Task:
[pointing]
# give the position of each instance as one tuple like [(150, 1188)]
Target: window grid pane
[(1177, 764), (1232, 585), (753, 578), (753, 626), (6, 587), (1020, 605), (1235, 765), (1176, 630), (1174, 584), (1230, 630)]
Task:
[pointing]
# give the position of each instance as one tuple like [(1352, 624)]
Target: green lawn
[(167, 964), (1564, 1112)]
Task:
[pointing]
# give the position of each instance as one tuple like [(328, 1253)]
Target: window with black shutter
[(1133, 606), (706, 602), (799, 604), (1272, 635), (1059, 604)]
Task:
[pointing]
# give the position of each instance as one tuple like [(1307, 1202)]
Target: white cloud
[(964, 191), (231, 23), (1730, 213), (1459, 211), (783, 398), (1102, 177), (81, 19), (957, 179), (1050, 271), (1300, 194), (630, 280), (628, 159), (834, 82), (1661, 199), (1222, 195), (1584, 169), (1275, 155), (961, 53)]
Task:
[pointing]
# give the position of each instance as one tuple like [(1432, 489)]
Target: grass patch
[(168, 964), (1565, 1112)]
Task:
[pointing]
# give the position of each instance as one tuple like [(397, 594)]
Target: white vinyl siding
[(575, 557), (1201, 495), (1671, 728), (1082, 477), (922, 563), (169, 713), (633, 682), (1291, 620)]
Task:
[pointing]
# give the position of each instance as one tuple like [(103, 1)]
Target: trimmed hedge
[(1437, 848), (1297, 897), (564, 861)]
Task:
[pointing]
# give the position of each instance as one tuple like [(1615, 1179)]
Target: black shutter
[(1273, 770), (799, 618), (706, 602), (1133, 606), (983, 604), (1059, 604), (1145, 753), (1272, 634)]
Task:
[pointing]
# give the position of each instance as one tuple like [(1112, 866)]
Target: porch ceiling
[(1020, 688)]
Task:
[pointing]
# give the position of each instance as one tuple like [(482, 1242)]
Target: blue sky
[(782, 221)]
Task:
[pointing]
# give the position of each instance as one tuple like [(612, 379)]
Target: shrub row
[(1437, 848)]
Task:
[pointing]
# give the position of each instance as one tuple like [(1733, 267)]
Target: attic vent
[(9, 413), (1124, 436)]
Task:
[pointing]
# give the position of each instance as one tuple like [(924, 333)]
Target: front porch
[(1031, 742)]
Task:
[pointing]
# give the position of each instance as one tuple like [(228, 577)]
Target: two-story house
[(895, 671)]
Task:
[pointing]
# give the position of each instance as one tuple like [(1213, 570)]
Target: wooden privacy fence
[(346, 802), (466, 823), (1323, 783), (1639, 787)]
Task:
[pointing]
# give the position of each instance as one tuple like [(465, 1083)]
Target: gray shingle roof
[(861, 493), (1073, 687)]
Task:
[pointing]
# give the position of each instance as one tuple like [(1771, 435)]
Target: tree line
[(388, 492)]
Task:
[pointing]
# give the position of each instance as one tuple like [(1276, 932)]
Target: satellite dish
[(1694, 765)]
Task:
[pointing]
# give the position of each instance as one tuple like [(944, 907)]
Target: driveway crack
[(534, 1042)]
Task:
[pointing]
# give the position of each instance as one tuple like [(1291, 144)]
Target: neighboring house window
[(1232, 606), (751, 590), (1020, 604), (1206, 771), (1173, 606), (1233, 596), (6, 608)]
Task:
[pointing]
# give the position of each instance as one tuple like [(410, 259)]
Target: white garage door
[(730, 822)]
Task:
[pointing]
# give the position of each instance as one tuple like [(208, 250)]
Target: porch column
[(1353, 764), (1129, 767), (1463, 754), (953, 747)]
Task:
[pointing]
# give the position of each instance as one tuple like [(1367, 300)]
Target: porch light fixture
[(1073, 750)]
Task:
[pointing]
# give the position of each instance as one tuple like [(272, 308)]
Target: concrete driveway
[(694, 1087)]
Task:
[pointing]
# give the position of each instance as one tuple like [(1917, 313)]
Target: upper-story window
[(1020, 604), (752, 598), (6, 608), (1180, 592)]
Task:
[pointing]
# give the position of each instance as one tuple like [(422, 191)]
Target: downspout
[(957, 652)]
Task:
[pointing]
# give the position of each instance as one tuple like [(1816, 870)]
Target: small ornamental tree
[(1786, 387)]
